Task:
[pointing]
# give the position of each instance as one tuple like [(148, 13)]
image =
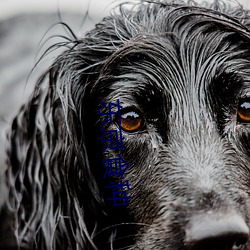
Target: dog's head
[(182, 77)]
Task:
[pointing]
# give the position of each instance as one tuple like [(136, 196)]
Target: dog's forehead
[(184, 62), (166, 66), (182, 55)]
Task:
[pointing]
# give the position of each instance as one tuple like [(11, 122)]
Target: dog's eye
[(131, 121), (243, 113)]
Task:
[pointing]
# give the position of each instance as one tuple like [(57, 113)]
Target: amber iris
[(131, 121), (244, 111)]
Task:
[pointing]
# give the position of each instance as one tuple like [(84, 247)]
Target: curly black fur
[(185, 67)]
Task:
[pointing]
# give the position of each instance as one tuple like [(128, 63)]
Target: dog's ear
[(50, 176), (45, 168)]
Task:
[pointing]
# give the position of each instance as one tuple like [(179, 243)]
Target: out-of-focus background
[(25, 26)]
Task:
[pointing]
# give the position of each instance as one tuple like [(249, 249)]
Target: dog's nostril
[(213, 232), (223, 242), (240, 241)]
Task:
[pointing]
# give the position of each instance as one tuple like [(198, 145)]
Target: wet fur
[(185, 68)]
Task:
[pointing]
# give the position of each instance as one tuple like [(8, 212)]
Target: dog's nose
[(217, 232)]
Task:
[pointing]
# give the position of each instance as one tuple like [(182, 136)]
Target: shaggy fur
[(185, 70)]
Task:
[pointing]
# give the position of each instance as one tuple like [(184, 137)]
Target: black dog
[(178, 76)]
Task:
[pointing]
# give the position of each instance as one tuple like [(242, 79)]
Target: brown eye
[(131, 121), (243, 113)]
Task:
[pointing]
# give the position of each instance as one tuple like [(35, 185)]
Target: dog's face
[(182, 77), (185, 97)]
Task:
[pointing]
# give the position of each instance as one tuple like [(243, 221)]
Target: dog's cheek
[(142, 159)]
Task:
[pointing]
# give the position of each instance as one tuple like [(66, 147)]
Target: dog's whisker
[(119, 225)]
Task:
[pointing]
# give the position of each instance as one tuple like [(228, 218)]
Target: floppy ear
[(52, 190), (46, 168)]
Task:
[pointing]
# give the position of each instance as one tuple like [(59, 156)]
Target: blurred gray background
[(24, 27)]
